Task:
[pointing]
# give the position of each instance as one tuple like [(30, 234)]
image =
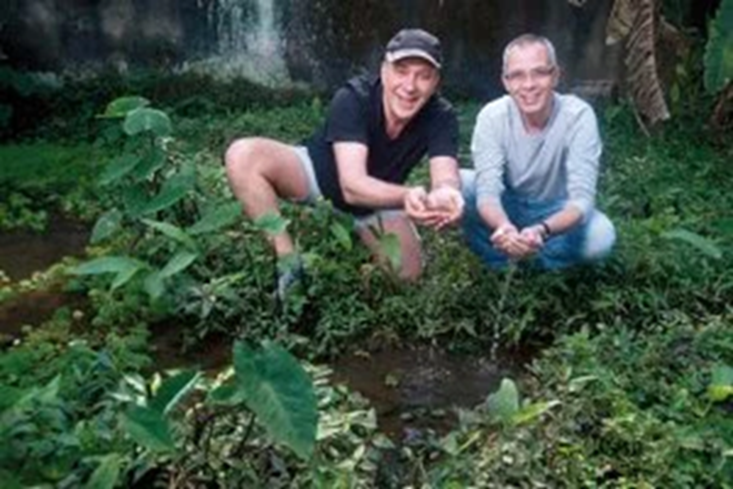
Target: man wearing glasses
[(536, 154)]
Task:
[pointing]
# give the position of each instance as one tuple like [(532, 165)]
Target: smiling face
[(530, 78), (408, 85)]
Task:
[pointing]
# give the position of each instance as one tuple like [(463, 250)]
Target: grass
[(48, 166)]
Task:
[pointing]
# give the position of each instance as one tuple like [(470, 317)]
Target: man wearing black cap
[(377, 129)]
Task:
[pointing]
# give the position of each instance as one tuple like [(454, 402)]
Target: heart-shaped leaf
[(280, 393)]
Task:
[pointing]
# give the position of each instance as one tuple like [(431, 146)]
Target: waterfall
[(249, 42)]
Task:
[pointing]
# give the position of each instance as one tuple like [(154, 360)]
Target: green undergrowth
[(45, 105), (41, 178), (631, 386)]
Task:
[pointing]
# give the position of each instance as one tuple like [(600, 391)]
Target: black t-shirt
[(356, 115)]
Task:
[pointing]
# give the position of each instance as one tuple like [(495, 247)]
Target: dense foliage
[(633, 386)]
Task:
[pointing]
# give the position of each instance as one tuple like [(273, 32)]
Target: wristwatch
[(546, 231)]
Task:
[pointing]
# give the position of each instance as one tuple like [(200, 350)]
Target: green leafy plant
[(274, 387), (719, 49), (158, 212), (504, 405)]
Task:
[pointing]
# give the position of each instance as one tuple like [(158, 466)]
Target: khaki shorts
[(314, 194)]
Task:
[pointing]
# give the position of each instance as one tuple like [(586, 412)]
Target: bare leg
[(261, 170), (402, 227)]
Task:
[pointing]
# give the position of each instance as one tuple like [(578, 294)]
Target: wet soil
[(417, 389), (22, 252), (32, 309), (170, 349), (412, 389)]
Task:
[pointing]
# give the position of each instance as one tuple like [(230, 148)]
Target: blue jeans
[(590, 240)]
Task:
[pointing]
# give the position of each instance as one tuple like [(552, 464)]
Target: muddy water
[(412, 390), (418, 389), (22, 253), (32, 309), (169, 350)]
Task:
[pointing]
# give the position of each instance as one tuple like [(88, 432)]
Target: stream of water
[(249, 42), (24, 253), (411, 389)]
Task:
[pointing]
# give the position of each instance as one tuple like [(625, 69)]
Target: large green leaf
[(174, 189), (173, 389), (280, 393), (719, 49), (106, 474), (134, 199), (701, 243), (44, 395), (150, 163), (172, 231), (118, 168), (148, 428), (533, 411), (154, 285), (146, 119), (178, 263), (124, 267), (217, 218), (229, 393), (504, 403), (119, 107), (107, 224), (106, 264), (125, 276)]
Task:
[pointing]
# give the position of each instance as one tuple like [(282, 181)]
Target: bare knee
[(242, 158)]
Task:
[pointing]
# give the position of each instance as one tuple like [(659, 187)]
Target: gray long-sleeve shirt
[(561, 162)]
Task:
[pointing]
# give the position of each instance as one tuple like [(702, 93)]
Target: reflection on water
[(22, 253), (419, 388), (32, 309)]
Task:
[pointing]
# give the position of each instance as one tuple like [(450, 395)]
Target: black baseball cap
[(414, 43)]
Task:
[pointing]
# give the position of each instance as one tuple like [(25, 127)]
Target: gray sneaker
[(290, 275)]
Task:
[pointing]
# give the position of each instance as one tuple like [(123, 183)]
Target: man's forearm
[(375, 193), (493, 215), (563, 220), (444, 173)]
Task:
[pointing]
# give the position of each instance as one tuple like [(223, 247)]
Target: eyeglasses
[(533, 74)]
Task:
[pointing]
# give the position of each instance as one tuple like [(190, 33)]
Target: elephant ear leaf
[(719, 50), (145, 119), (279, 391), (119, 107)]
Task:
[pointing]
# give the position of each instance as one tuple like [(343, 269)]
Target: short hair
[(524, 40)]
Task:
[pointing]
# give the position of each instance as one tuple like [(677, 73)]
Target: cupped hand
[(417, 209), (448, 203), (533, 236), (511, 242)]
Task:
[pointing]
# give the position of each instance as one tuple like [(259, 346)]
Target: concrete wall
[(278, 42)]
